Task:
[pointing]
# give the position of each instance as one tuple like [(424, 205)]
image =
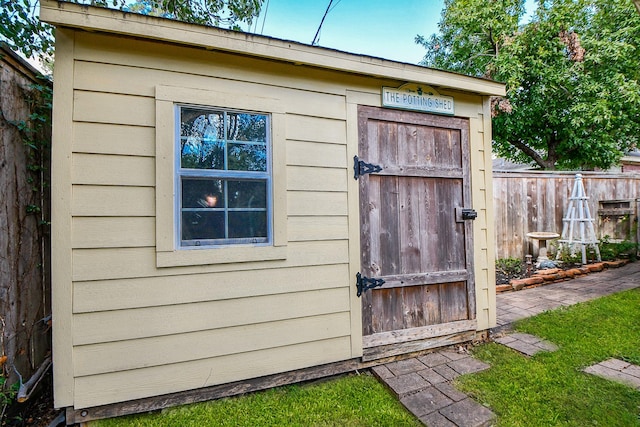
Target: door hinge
[(362, 168), (363, 283)]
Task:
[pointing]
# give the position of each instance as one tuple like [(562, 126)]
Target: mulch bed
[(516, 282)]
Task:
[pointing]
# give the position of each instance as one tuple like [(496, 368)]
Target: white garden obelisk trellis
[(577, 226)]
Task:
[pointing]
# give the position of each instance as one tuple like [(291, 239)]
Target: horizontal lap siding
[(209, 343), (103, 295), (121, 263), (142, 331), (164, 379), (107, 326)]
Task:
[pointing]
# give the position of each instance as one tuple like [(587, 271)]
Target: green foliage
[(509, 266), (471, 33), (36, 140), (610, 251), (550, 389), (354, 400), (205, 12), (572, 76), (21, 28), (566, 255), (7, 394)]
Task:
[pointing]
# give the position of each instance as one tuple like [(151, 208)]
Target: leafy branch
[(22, 29)]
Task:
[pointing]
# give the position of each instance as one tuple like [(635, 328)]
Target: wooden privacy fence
[(24, 212), (536, 201)]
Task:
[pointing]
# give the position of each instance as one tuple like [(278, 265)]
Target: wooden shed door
[(412, 232)]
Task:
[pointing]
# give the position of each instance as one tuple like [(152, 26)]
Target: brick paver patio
[(423, 384)]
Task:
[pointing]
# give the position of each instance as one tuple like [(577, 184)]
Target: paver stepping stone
[(426, 401), (451, 392), (436, 419), (433, 359), (469, 413), (406, 384), (446, 372), (617, 370), (526, 343), (468, 366), (432, 376), (407, 366)]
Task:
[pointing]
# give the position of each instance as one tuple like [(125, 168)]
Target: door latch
[(463, 214)]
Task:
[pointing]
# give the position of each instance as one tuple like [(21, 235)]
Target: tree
[(471, 34), (23, 31), (572, 73)]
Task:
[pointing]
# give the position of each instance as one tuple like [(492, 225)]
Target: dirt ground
[(36, 412)]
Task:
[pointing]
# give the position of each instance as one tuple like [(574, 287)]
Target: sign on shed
[(417, 98)]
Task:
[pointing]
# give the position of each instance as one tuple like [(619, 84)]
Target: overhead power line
[(266, 9), (315, 38)]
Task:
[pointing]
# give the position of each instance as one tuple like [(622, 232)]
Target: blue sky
[(382, 28)]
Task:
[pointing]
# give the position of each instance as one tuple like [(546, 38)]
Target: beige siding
[(92, 169), (157, 380), (191, 326), (106, 326), (104, 295), (185, 346), (316, 179), (316, 203), (213, 308), (121, 263), (92, 200), (315, 129), (317, 228), (113, 232), (110, 108), (301, 153), (484, 250), (100, 138)]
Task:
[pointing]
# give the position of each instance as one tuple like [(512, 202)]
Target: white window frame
[(169, 253), (224, 175)]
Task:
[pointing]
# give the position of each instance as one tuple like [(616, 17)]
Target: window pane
[(248, 224), (247, 157), (202, 193), (201, 225), (247, 127), (202, 142), (247, 194), (218, 205)]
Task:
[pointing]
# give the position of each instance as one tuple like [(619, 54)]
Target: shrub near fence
[(536, 201)]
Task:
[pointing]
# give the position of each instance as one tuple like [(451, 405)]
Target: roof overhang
[(72, 15)]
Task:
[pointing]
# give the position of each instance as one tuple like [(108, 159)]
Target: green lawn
[(549, 389), (352, 401)]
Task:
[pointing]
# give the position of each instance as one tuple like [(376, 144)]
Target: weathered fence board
[(24, 279), (535, 201)]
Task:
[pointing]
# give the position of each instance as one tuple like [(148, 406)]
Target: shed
[(208, 231)]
